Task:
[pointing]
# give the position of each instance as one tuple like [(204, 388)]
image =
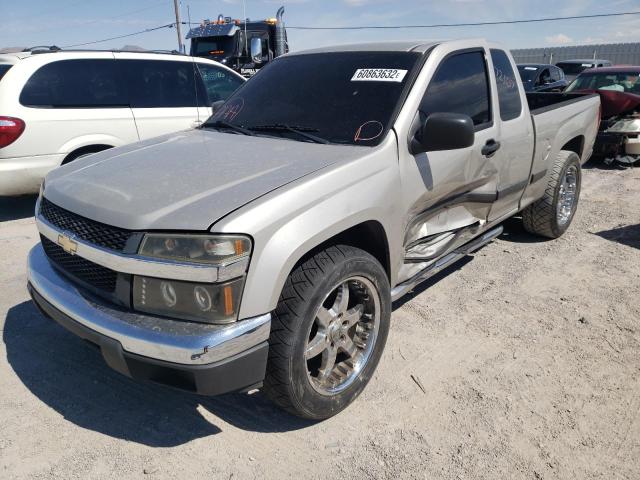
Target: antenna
[(178, 26), (246, 40)]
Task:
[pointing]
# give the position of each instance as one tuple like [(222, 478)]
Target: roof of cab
[(615, 69), (415, 46), (586, 60), (536, 65)]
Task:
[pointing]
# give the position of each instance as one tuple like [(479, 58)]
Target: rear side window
[(460, 85), (218, 83), (4, 68), (508, 94), (160, 83), (75, 84)]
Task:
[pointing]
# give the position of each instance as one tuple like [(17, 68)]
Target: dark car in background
[(539, 77), (573, 68)]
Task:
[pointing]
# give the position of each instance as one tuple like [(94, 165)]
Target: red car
[(619, 90)]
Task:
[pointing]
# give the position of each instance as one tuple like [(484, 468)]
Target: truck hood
[(186, 180)]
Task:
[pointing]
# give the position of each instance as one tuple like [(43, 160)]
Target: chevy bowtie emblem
[(67, 244)]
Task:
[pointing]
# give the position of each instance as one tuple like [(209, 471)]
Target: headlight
[(203, 302), (208, 249)]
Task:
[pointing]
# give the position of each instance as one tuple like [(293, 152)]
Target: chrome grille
[(92, 274), (88, 230)]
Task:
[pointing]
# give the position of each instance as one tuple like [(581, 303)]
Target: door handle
[(490, 148)]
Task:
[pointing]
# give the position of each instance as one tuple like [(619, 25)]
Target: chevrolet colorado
[(266, 247)]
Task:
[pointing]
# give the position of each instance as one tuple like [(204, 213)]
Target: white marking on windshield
[(379, 75)]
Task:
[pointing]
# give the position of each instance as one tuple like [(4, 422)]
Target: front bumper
[(203, 358)]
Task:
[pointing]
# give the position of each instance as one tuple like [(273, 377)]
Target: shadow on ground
[(628, 235), (15, 208), (71, 377), (514, 232)]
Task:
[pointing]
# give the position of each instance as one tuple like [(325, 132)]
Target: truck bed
[(541, 102)]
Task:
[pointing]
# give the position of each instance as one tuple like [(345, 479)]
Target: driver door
[(449, 194)]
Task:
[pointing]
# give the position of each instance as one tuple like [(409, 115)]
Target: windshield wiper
[(300, 130), (229, 126)]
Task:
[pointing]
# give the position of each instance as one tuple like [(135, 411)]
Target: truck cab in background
[(245, 46)]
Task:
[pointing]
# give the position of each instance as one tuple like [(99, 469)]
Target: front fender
[(289, 223)]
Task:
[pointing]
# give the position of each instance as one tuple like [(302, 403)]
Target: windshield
[(342, 97), (527, 73), (214, 46), (574, 68), (4, 68), (618, 82)]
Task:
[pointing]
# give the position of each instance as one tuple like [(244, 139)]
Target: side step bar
[(444, 262)]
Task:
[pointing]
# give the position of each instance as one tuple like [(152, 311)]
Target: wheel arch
[(369, 236), (87, 149), (267, 276), (576, 145)]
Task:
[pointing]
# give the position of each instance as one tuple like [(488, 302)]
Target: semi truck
[(243, 45)]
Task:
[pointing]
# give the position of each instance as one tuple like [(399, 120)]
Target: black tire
[(541, 217), (287, 382)]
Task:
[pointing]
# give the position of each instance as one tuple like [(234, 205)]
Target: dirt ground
[(521, 363)]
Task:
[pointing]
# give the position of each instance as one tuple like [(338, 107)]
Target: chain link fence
[(616, 53)]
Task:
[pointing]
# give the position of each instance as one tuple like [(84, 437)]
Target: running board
[(444, 262)]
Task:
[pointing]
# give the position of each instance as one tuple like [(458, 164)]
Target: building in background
[(617, 53)]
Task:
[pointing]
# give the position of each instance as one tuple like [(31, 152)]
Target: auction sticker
[(378, 75)]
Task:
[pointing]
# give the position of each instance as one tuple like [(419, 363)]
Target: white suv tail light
[(10, 129)]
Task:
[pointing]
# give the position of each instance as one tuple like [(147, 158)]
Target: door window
[(508, 93), (460, 85), (4, 68), (160, 83), (544, 78), (75, 84), (218, 83)]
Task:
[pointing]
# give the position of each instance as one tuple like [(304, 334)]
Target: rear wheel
[(551, 215), (328, 332)]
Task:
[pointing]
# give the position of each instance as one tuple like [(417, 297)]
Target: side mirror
[(443, 131), (215, 106), (256, 50)]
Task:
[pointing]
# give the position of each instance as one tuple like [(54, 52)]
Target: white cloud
[(558, 39)]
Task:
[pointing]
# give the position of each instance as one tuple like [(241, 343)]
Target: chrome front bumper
[(163, 339)]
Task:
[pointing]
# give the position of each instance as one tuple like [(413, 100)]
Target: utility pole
[(178, 26)]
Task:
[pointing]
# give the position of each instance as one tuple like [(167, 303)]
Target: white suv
[(56, 106)]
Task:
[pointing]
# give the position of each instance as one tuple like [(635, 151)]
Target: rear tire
[(327, 332), (551, 215)]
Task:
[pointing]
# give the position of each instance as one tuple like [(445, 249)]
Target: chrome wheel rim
[(342, 336), (567, 195)]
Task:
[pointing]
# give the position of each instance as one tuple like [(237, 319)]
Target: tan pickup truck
[(264, 249)]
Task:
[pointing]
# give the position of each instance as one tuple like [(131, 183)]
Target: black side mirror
[(443, 131)]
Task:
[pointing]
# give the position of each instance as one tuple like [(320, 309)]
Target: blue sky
[(68, 22)]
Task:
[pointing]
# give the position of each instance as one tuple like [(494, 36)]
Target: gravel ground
[(522, 362)]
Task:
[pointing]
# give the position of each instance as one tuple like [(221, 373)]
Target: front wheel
[(551, 215), (328, 332)]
